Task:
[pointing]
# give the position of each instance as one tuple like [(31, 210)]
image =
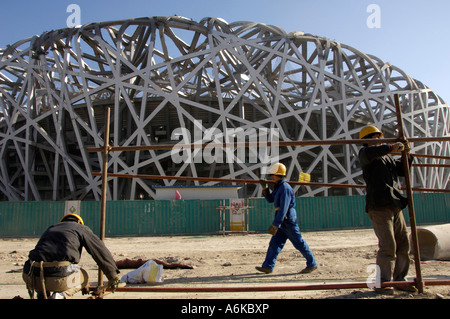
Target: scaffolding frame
[(418, 281)]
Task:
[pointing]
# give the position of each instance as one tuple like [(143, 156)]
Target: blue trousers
[(288, 230)]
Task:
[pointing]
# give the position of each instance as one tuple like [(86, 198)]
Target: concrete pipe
[(434, 242)]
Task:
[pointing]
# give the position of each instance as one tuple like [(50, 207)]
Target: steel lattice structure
[(162, 73)]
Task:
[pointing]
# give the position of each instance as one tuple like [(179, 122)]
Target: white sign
[(237, 214), (72, 207)]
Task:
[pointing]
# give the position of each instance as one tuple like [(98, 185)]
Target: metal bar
[(432, 165), (432, 190), (225, 180), (256, 144), (251, 181), (412, 217), (426, 156), (355, 285), (105, 151)]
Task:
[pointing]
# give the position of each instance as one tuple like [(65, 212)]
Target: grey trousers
[(393, 243)]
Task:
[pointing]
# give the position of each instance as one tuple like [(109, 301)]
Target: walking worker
[(53, 264), (384, 204), (284, 225)]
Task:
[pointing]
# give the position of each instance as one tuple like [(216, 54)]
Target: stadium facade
[(162, 74)]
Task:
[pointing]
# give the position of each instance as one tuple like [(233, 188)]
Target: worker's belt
[(55, 264), (278, 208), (51, 269)]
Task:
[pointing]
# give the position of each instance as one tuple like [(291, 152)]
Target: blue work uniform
[(285, 219)]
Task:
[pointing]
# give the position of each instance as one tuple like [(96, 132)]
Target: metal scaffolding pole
[(105, 152), (106, 149), (268, 144), (251, 181), (412, 217)]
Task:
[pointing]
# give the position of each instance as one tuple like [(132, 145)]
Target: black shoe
[(264, 270), (384, 291)]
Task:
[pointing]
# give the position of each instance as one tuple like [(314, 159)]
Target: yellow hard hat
[(278, 169), (73, 215), (367, 130)]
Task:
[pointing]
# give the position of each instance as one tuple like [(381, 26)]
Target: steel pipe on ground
[(357, 285)]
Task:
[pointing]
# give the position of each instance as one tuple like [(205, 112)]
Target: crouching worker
[(52, 269), (284, 225)]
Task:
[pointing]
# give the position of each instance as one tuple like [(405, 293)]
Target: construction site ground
[(229, 261)]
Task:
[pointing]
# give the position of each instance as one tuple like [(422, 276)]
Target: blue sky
[(413, 35)]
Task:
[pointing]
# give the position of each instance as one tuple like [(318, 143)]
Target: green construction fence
[(189, 217)]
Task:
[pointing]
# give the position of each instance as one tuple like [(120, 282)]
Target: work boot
[(264, 270), (308, 270), (410, 289)]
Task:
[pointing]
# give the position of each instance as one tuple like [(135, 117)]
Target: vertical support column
[(412, 217), (106, 149)]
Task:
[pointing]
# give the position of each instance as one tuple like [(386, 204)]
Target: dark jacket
[(65, 241), (381, 172)]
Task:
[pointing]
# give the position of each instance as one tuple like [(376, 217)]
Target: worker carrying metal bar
[(284, 225), (384, 204), (52, 269)]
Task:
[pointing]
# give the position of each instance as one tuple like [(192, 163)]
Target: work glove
[(265, 187), (264, 184), (397, 147), (114, 283), (407, 147), (272, 230)]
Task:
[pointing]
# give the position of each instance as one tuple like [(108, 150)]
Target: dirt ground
[(230, 260)]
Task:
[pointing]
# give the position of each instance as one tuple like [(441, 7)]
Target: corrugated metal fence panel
[(430, 208), (161, 217), (124, 217), (164, 217), (260, 215), (90, 212), (316, 213), (129, 218), (28, 218), (182, 216)]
